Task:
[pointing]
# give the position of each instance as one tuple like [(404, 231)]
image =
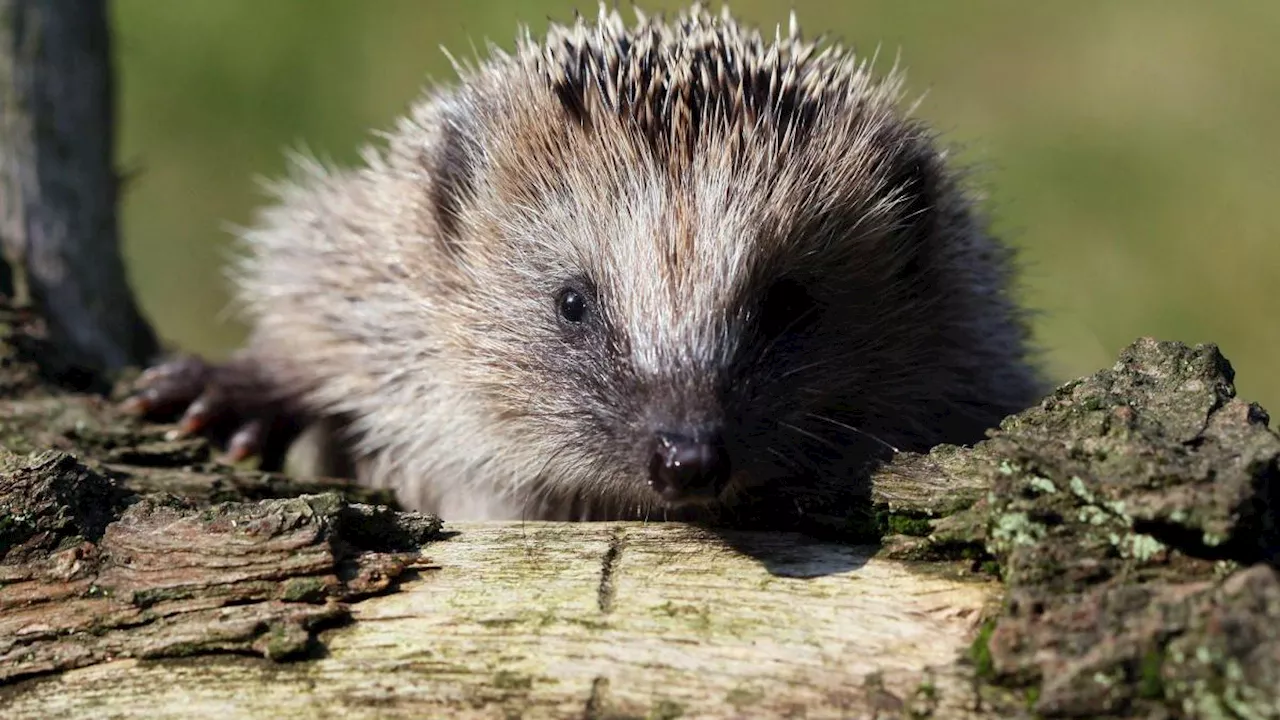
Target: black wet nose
[(685, 468)]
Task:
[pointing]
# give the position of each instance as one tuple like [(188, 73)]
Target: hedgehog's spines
[(677, 82)]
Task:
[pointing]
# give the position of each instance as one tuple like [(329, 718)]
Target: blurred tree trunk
[(58, 187)]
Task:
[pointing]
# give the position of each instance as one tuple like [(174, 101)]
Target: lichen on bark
[(1133, 515)]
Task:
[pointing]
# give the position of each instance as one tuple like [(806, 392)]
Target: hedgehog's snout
[(688, 468)]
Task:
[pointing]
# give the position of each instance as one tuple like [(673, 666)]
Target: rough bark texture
[(1109, 553), (58, 186), (588, 620), (1135, 518), (167, 578)]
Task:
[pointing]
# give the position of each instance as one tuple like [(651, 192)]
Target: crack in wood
[(608, 565), (596, 702)]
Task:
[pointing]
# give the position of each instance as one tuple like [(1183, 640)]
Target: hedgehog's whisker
[(789, 462), (857, 430), (799, 430), (802, 368)]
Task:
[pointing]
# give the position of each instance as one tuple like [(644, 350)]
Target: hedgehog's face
[(677, 294), (677, 393), (670, 346), (669, 338)]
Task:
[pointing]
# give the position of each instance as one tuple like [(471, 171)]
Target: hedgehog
[(620, 272)]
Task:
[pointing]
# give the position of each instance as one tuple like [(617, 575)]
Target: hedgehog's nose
[(685, 469)]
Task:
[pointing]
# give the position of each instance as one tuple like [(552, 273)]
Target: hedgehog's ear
[(451, 166)]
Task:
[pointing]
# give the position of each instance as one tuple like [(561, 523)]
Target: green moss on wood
[(303, 589), (980, 651)]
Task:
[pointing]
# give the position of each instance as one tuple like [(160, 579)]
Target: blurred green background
[(1128, 148)]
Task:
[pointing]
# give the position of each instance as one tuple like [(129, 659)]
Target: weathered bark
[(589, 620), (58, 187), (91, 574), (1135, 516)]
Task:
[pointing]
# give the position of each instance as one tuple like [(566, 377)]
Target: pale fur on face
[(677, 174)]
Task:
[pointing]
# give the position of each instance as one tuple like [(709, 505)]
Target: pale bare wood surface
[(588, 620)]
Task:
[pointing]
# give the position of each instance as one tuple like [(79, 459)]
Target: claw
[(207, 408), (246, 441), (135, 405), (226, 403), (168, 388)]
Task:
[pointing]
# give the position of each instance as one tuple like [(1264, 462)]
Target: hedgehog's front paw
[(230, 403)]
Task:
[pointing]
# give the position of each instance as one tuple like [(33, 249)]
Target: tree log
[(58, 187), (1111, 552), (587, 620)]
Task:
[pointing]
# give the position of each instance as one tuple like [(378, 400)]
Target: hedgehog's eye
[(571, 305), (786, 306)]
